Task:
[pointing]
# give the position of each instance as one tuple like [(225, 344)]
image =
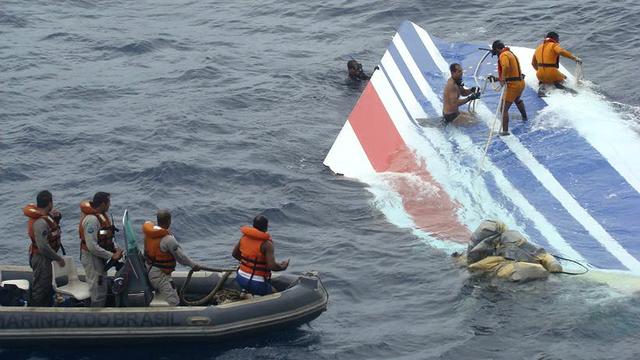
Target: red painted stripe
[(423, 198)]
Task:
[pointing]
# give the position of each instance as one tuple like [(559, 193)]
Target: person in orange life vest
[(257, 259), (546, 60), (44, 231), (162, 251), (509, 75), (96, 245)]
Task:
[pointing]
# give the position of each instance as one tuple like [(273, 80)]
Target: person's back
[(546, 60), (44, 232), (162, 252), (255, 252)]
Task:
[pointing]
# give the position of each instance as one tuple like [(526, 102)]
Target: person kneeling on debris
[(257, 259), (453, 90), (508, 254), (161, 250), (546, 62)]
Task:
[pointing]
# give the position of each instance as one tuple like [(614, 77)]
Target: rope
[(579, 74), (586, 269), (217, 270), (491, 129), (207, 299)]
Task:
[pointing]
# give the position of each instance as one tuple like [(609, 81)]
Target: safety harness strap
[(516, 78)]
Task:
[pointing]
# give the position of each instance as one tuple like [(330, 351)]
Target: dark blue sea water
[(223, 110)]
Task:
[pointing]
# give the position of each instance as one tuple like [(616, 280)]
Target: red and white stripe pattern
[(371, 143)]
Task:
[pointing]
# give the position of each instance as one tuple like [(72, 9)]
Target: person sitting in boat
[(546, 61), (162, 251), (257, 259), (453, 90), (355, 71), (509, 75), (44, 231), (96, 245), (507, 254)]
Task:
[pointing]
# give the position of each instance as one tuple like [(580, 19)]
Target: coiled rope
[(586, 269), (207, 299)]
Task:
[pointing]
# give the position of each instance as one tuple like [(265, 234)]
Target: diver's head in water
[(553, 35), (261, 223), (496, 47), (456, 73), (354, 68)]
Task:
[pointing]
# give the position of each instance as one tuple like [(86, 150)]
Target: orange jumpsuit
[(546, 61), (509, 71)]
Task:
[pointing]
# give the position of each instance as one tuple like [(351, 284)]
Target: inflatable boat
[(299, 300), (134, 313)]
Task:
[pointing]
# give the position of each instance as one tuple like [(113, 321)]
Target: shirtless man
[(452, 101)]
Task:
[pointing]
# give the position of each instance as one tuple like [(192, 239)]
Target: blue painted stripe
[(410, 37), (593, 252), (395, 91), (528, 226), (492, 187), (578, 167), (493, 190), (428, 107), (537, 195)]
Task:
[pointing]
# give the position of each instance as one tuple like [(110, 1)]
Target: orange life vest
[(33, 213), (252, 260), (105, 233), (546, 61), (548, 58), (154, 255), (513, 73)]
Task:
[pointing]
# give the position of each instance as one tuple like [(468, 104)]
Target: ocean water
[(223, 110)]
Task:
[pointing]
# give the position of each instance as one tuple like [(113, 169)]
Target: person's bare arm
[(269, 253), (236, 252), (465, 92)]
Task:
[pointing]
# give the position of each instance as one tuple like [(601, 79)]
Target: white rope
[(492, 128), (579, 74)]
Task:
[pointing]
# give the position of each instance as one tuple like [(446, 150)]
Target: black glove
[(492, 78), (474, 89), (56, 216), (475, 95)]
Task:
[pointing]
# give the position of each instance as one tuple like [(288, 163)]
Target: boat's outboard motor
[(131, 285)]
